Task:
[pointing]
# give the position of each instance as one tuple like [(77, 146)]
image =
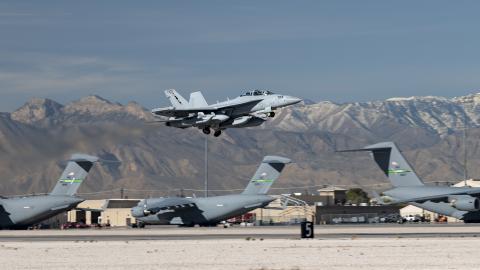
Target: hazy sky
[(320, 50)]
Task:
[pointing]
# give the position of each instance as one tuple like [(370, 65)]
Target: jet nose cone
[(292, 100)]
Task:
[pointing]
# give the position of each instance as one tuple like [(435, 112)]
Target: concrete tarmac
[(253, 248), (264, 232)]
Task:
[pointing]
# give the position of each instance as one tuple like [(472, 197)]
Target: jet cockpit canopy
[(258, 93)]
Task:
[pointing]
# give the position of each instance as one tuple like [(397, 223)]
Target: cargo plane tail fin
[(268, 171), (72, 177), (391, 161)]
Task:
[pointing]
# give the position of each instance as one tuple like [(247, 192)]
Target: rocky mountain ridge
[(37, 138), (436, 114)]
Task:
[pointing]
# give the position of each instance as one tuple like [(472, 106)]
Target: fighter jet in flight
[(212, 210), (458, 202), (22, 212), (248, 110)]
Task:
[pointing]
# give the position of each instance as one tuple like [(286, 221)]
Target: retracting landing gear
[(208, 131), (271, 114)]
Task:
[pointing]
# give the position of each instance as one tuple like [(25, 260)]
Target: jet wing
[(172, 112), (437, 198), (184, 112)]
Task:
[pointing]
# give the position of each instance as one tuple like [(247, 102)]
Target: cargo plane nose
[(138, 212)]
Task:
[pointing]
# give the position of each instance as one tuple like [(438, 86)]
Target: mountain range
[(155, 160)]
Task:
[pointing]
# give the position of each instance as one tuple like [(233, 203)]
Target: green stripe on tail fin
[(72, 177)]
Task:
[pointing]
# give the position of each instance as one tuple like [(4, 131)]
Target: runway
[(156, 233), (369, 247)]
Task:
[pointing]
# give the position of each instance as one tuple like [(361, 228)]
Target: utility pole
[(206, 167)]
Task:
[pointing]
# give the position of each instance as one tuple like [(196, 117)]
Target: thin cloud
[(51, 74), (15, 14)]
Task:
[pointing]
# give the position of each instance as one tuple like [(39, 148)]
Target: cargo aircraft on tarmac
[(22, 212), (248, 110), (212, 210), (458, 202)]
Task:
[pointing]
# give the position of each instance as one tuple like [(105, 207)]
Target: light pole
[(206, 167), (465, 171)]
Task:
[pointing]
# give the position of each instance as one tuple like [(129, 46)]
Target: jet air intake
[(465, 203)]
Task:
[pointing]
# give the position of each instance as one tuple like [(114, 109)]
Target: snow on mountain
[(434, 114)]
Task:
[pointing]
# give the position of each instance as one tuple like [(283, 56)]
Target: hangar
[(109, 212)]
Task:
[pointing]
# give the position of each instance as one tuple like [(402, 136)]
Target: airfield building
[(111, 212)]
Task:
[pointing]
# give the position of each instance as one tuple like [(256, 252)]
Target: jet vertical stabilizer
[(393, 164), (176, 99), (197, 100), (266, 174), (72, 177)]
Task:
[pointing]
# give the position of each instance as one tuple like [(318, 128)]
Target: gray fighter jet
[(248, 110), (458, 202), (22, 212), (212, 210)]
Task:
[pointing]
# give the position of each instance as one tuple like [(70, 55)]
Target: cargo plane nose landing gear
[(206, 130), (217, 133)]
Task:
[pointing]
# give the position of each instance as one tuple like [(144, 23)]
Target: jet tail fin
[(268, 171), (176, 99), (72, 177), (392, 163), (197, 100)]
